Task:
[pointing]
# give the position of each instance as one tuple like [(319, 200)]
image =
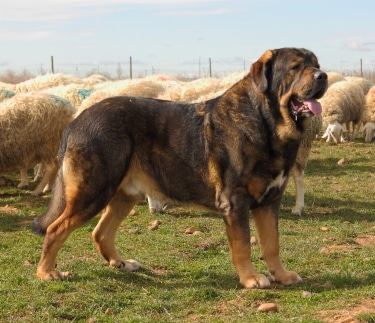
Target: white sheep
[(31, 125), (47, 81), (148, 87), (369, 127), (343, 103), (198, 90), (8, 87), (5, 94), (94, 79), (334, 77), (369, 131), (155, 205), (335, 132), (74, 93), (365, 84), (298, 170)]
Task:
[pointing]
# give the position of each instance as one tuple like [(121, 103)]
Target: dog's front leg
[(236, 217), (266, 221), (105, 231)]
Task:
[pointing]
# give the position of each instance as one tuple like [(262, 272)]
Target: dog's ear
[(260, 69)]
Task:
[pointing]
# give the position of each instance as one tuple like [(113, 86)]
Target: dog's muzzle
[(309, 105)]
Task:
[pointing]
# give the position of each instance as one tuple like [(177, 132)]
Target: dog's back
[(129, 132)]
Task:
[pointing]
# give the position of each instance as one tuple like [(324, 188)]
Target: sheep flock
[(34, 113)]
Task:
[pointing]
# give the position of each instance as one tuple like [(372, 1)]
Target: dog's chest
[(277, 183), (263, 186)]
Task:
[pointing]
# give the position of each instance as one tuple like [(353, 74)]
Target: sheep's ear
[(260, 69)]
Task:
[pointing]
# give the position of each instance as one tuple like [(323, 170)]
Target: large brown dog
[(231, 154)]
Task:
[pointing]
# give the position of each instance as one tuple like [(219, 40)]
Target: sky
[(180, 37)]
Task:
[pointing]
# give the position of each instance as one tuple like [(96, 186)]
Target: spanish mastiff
[(231, 154)]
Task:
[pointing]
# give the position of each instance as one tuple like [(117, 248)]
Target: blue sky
[(179, 36)]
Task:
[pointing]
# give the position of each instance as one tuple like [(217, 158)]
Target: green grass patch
[(190, 278)]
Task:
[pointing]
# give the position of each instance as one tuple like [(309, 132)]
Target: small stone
[(154, 225), (268, 307), (27, 263), (134, 231), (190, 230), (342, 161), (108, 311), (306, 294), (324, 229), (328, 284), (253, 240), (133, 212), (324, 251), (197, 232)]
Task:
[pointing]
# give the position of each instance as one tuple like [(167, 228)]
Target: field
[(189, 278)]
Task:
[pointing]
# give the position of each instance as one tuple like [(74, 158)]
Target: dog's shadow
[(147, 278)]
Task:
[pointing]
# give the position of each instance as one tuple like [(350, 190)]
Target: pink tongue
[(313, 105)]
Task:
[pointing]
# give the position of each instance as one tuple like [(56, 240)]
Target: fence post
[(52, 66), (199, 71), (131, 67), (209, 63), (361, 68)]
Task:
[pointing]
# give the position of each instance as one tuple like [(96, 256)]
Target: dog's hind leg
[(105, 231), (56, 235), (266, 222)]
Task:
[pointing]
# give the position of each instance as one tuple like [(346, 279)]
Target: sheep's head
[(369, 131)]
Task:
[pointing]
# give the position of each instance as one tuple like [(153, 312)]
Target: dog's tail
[(55, 208), (57, 203)]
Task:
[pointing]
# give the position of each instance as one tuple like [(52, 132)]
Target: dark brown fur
[(231, 154)]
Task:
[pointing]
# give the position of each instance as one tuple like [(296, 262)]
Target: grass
[(189, 278)]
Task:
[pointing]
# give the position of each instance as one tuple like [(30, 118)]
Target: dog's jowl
[(231, 154)]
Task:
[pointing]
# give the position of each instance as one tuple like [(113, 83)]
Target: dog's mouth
[(305, 107)]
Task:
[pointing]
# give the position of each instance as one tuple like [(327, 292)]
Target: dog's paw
[(125, 265), (287, 278), (54, 274), (257, 281)]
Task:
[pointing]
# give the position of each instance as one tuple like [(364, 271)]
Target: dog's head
[(291, 78)]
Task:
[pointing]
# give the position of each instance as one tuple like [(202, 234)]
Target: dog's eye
[(296, 67)]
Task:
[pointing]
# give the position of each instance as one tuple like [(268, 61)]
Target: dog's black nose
[(319, 75)]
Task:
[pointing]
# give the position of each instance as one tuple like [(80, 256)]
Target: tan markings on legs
[(59, 230), (266, 224), (56, 235), (239, 243), (105, 231)]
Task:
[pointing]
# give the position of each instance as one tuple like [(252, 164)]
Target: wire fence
[(130, 68), (199, 68)]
